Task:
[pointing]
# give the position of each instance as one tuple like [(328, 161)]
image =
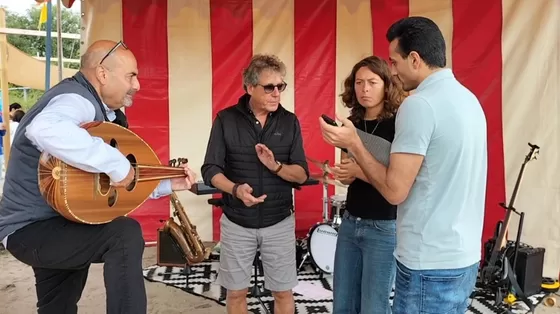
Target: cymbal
[(323, 179), (326, 171)]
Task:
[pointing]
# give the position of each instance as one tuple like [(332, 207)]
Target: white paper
[(312, 291)]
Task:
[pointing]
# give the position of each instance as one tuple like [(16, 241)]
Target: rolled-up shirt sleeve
[(56, 130), (297, 153), (215, 158)]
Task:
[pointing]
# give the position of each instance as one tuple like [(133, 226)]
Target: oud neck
[(158, 172)]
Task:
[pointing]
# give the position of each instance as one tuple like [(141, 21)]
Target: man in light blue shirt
[(61, 251), (437, 174)]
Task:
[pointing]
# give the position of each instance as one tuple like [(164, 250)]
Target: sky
[(21, 6)]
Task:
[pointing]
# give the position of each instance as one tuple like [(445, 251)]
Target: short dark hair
[(15, 106), (18, 115), (420, 34)]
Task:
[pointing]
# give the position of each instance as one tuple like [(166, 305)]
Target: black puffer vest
[(241, 134)]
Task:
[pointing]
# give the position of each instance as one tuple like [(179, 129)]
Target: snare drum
[(321, 246)]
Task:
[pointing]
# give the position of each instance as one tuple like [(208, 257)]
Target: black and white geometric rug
[(203, 275)]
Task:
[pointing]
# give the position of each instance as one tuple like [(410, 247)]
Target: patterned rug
[(202, 277)]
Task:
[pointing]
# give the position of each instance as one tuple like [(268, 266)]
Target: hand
[(127, 180), (244, 194), (266, 156), (2, 126), (344, 136), (181, 184), (346, 170)]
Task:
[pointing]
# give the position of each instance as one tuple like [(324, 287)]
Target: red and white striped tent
[(191, 54)]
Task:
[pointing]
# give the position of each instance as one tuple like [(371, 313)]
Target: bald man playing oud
[(60, 251)]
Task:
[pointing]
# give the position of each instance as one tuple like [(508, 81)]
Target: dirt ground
[(17, 292)]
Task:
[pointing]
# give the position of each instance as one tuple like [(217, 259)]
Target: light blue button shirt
[(439, 225)]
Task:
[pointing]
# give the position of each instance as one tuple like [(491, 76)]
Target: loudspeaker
[(529, 268), (168, 253)]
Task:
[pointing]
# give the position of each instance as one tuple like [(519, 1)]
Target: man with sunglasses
[(60, 251), (255, 156)]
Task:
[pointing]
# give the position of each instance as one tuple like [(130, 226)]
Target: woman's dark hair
[(18, 115), (394, 93)]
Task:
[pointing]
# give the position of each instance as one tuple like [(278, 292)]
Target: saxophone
[(185, 234)]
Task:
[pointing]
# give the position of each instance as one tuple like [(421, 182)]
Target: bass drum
[(321, 246)]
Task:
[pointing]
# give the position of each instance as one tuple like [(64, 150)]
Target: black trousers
[(61, 251)]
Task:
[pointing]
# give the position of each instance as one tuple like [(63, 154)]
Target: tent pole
[(48, 47), (59, 38)]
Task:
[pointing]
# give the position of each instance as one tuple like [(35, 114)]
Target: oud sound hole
[(104, 180), (112, 199), (104, 183), (133, 163), (113, 143)]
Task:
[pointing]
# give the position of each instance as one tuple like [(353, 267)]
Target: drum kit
[(319, 245)]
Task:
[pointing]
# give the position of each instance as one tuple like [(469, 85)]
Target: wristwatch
[(279, 167)]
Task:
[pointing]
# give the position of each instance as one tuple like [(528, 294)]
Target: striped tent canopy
[(191, 54)]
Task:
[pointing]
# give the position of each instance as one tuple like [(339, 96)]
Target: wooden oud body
[(88, 197)]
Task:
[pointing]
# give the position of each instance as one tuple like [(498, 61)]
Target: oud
[(89, 198)]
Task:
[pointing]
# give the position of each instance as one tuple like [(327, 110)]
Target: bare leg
[(236, 301), (284, 302)]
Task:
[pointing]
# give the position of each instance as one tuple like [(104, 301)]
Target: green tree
[(36, 46)]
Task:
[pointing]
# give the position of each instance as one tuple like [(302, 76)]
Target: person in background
[(2, 134), (14, 107), (14, 123), (364, 270)]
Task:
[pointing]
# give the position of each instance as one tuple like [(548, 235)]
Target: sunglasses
[(119, 44), (269, 88)]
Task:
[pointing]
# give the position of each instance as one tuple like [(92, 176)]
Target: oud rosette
[(51, 174)]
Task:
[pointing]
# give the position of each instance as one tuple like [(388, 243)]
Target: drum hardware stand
[(186, 271), (324, 175), (500, 280), (256, 291)]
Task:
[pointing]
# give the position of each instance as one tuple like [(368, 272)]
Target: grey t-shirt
[(439, 225)]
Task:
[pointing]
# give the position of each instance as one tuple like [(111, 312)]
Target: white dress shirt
[(56, 130), (13, 128)]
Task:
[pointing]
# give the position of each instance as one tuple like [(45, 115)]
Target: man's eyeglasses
[(269, 88), (120, 43)]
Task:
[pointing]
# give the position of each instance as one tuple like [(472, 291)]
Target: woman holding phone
[(364, 270)]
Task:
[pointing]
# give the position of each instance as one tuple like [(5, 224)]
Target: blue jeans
[(364, 266), (444, 291)]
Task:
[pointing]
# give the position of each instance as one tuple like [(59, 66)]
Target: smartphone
[(329, 120), (332, 122)]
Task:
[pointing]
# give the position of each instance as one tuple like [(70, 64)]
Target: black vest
[(241, 133), (22, 202)]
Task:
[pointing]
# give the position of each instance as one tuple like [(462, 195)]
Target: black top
[(231, 151), (363, 200)]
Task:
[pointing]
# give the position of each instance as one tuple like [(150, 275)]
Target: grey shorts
[(238, 247)]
